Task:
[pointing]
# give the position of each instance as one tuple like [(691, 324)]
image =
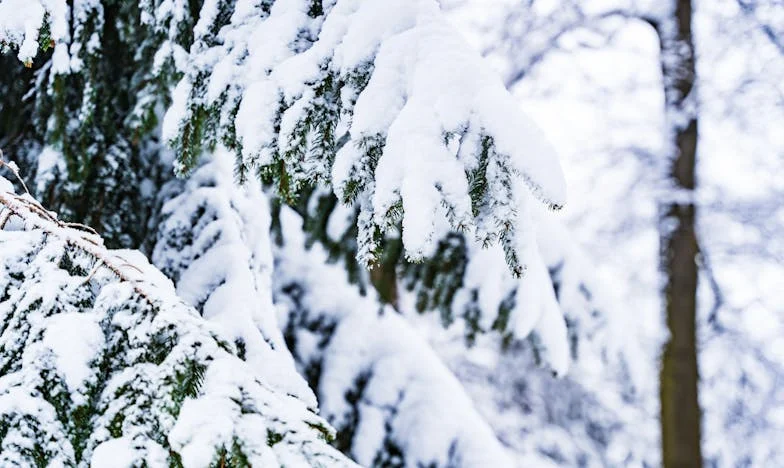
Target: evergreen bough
[(102, 361)]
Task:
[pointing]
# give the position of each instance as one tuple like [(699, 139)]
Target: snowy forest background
[(320, 233)]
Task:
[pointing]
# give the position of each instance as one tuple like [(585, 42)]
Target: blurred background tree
[(609, 66)]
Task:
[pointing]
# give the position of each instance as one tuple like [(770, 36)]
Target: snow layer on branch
[(378, 382), (33, 25), (467, 282), (213, 242), (21, 22), (384, 101), (145, 378)]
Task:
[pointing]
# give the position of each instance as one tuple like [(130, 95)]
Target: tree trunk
[(680, 411)]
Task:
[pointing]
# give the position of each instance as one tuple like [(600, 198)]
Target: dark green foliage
[(161, 345), (477, 179), (307, 159), (36, 453), (234, 457), (311, 145), (437, 280), (186, 382), (76, 419), (273, 438), (99, 118), (241, 347), (299, 320), (15, 81), (504, 312), (434, 281), (324, 433), (491, 193), (316, 8), (316, 207), (362, 175)]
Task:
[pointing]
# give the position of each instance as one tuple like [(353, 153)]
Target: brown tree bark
[(679, 379)]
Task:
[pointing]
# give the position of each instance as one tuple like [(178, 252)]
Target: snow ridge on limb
[(213, 243), (383, 101), (378, 382), (102, 364)]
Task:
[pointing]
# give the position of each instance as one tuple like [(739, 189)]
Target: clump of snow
[(75, 339), (125, 452), (51, 165), (21, 22)]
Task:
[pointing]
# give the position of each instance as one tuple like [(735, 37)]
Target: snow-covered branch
[(101, 362)]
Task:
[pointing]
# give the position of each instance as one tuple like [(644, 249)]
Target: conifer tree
[(212, 241), (408, 169)]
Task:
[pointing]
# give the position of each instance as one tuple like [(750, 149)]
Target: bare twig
[(128, 265), (82, 227), (95, 269), (5, 215), (718, 295), (74, 234), (14, 169)]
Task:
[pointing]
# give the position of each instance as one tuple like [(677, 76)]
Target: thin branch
[(34, 214), (582, 21), (750, 9), (95, 269), (14, 169), (5, 215), (718, 295), (82, 227)]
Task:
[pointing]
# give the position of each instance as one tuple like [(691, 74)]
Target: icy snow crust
[(102, 364), (382, 100)]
